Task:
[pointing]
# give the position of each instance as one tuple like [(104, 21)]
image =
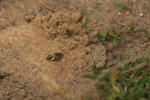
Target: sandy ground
[(28, 34)]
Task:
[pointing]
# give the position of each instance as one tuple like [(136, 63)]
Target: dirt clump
[(28, 18), (60, 24)]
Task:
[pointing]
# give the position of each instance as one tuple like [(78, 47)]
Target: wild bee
[(54, 57)]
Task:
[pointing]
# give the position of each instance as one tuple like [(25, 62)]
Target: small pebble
[(33, 70), (119, 13), (141, 14)]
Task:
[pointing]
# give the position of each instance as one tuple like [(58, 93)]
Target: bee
[(54, 57)]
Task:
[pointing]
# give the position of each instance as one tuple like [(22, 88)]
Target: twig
[(145, 45), (137, 67), (105, 72), (41, 4), (3, 75), (110, 69)]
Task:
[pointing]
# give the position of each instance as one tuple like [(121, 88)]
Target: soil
[(29, 33)]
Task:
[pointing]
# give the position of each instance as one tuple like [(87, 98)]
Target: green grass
[(109, 35), (120, 83), (65, 95), (132, 30), (116, 36), (85, 20), (122, 57), (103, 38), (96, 71), (123, 83), (88, 96), (85, 17), (121, 5)]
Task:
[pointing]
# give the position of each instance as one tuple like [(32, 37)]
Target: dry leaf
[(116, 89)]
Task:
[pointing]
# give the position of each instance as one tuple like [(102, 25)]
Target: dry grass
[(43, 5)]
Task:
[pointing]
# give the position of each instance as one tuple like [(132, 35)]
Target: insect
[(54, 57)]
